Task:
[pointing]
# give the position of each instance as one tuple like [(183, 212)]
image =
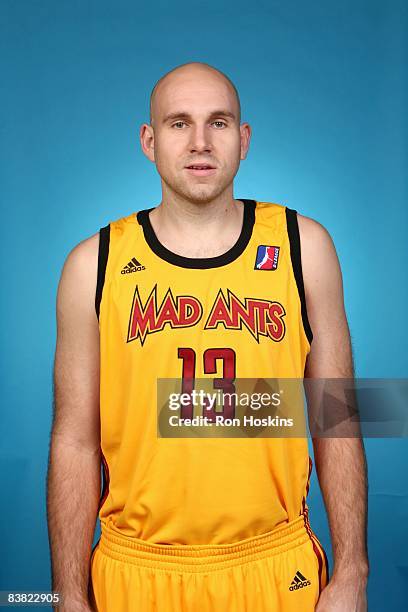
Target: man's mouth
[(201, 169)]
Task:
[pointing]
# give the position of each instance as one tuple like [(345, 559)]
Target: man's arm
[(340, 462), (73, 483)]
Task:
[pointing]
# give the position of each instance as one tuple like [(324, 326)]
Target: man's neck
[(198, 229)]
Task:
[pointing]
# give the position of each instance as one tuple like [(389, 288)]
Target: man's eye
[(179, 124)]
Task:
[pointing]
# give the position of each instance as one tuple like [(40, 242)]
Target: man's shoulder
[(85, 250), (314, 236), (318, 254), (88, 247), (269, 207), (81, 263), (312, 232)]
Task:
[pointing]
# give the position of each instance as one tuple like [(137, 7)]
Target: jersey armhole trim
[(295, 254), (103, 252)]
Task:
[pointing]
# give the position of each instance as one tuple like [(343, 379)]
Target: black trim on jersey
[(295, 254), (103, 252), (200, 262), (94, 547)]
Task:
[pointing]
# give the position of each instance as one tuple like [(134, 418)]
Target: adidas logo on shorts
[(132, 266), (299, 582)]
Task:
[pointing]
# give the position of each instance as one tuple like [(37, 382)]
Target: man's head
[(195, 118)]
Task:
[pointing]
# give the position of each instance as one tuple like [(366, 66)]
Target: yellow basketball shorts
[(282, 570)]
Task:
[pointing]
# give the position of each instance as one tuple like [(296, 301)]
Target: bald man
[(201, 287)]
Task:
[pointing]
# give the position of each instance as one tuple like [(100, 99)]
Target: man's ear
[(245, 131), (147, 140)]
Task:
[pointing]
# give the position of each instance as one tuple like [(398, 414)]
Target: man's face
[(195, 122)]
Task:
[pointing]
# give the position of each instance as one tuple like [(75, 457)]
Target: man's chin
[(202, 194), (197, 193)]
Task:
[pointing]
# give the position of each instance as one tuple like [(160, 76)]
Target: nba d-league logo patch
[(267, 257)]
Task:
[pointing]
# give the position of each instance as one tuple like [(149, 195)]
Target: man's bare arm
[(340, 461), (73, 484)]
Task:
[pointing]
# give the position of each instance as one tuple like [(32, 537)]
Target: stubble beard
[(197, 193)]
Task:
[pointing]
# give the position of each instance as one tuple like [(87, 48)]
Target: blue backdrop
[(324, 87)]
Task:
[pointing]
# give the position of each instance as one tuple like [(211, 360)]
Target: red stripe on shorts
[(315, 548)]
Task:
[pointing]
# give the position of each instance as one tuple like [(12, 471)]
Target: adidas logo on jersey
[(132, 266), (299, 582)]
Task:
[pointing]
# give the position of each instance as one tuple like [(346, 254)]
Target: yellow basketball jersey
[(161, 315)]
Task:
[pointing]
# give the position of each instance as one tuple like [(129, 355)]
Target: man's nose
[(200, 139)]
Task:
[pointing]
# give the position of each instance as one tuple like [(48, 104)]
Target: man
[(201, 286)]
